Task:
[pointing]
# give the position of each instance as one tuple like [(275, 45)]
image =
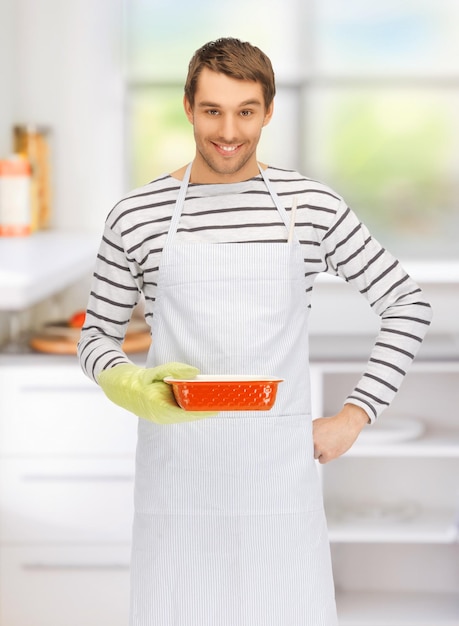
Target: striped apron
[(229, 527)]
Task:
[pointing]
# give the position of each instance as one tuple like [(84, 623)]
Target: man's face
[(228, 116)]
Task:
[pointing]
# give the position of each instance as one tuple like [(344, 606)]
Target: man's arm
[(352, 253), (114, 294)]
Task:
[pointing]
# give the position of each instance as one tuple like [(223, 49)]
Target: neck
[(180, 173)]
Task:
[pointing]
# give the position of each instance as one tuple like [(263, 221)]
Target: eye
[(212, 112), (246, 113)]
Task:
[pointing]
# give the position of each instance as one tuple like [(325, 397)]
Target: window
[(367, 102)]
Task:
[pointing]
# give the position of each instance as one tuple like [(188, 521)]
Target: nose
[(228, 128)]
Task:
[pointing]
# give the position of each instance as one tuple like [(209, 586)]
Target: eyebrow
[(251, 102)]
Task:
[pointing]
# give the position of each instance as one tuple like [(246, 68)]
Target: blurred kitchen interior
[(367, 101)]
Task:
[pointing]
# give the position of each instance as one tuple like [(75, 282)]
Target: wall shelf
[(434, 526), (392, 501), (396, 609), (435, 444)]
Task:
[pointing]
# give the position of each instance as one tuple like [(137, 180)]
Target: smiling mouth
[(225, 149)]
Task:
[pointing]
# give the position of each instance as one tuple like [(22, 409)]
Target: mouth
[(225, 149)]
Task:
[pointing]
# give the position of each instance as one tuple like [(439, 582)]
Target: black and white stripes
[(332, 240)]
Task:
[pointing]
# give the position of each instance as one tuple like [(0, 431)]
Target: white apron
[(229, 526)]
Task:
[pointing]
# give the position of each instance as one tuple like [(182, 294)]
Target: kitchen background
[(368, 101)]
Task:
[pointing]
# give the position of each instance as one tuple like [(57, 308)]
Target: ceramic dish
[(225, 393)]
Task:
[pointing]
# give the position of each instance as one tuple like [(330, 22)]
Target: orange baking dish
[(225, 393)]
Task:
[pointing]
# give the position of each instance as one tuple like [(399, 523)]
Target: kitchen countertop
[(335, 348), (36, 267)]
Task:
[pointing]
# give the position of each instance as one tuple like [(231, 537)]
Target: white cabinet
[(49, 408), (66, 499), (392, 502), (66, 496), (49, 585)]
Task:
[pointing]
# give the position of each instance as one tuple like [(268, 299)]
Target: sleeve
[(353, 254), (115, 290)]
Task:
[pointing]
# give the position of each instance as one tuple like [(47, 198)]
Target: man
[(229, 526)]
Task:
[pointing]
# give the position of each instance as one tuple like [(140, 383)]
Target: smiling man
[(229, 525)]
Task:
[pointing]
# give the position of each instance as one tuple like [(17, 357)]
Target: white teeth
[(228, 148)]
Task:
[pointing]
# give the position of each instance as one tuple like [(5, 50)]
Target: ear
[(188, 109), (269, 114)]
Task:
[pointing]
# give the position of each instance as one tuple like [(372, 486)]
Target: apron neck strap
[(177, 212), (277, 201)]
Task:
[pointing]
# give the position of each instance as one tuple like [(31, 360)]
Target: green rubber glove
[(143, 392)]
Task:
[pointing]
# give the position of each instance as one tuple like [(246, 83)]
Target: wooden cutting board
[(59, 338), (134, 342)]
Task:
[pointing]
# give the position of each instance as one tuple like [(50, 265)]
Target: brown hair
[(236, 59)]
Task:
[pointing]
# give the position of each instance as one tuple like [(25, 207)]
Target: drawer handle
[(59, 388), (40, 567), (78, 477)]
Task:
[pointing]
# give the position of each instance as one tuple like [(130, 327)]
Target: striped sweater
[(332, 240)]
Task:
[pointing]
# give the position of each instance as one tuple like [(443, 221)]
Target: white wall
[(67, 74), (7, 73), (339, 310)]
